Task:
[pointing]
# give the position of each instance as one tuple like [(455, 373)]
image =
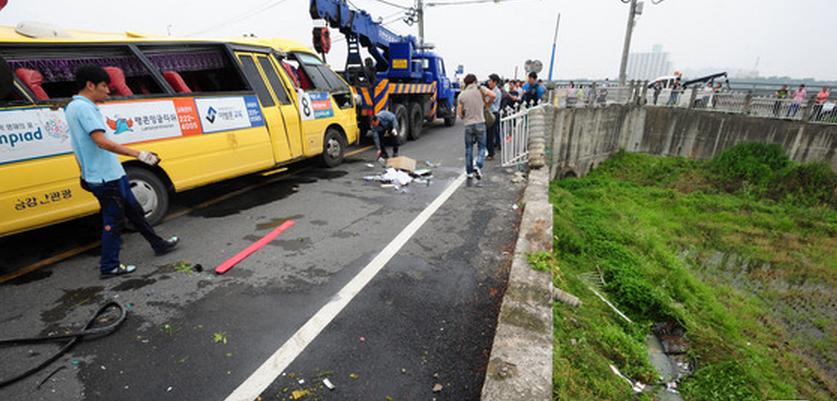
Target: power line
[(393, 4), (462, 3), (243, 16)]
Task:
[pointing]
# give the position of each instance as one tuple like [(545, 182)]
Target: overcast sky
[(790, 37)]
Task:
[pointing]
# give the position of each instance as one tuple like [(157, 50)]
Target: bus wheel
[(334, 148), (150, 192), (416, 120), (403, 118)]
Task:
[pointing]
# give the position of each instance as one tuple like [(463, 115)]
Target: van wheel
[(334, 148), (151, 193), (403, 118), (416, 120)]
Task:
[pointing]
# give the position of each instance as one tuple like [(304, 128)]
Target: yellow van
[(212, 110)]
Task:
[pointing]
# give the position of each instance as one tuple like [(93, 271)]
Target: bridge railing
[(700, 98)]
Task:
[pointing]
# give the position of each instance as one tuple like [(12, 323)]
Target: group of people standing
[(798, 97), (479, 107)]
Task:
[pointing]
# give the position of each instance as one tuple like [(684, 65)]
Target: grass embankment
[(740, 250)]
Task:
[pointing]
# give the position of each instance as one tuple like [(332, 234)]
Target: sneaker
[(469, 176), (478, 173), (169, 246), (118, 271)]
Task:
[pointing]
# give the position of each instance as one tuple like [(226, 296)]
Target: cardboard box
[(402, 163)]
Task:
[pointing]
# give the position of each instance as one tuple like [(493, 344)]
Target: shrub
[(755, 164), (809, 184)]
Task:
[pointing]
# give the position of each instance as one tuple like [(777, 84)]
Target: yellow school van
[(212, 110)]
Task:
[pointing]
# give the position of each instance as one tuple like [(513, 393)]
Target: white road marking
[(290, 350)]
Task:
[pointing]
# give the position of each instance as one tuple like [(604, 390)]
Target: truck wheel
[(334, 148), (450, 118), (151, 193), (403, 118), (450, 121), (416, 120)]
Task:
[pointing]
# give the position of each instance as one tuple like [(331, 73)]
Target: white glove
[(149, 158), (394, 132)]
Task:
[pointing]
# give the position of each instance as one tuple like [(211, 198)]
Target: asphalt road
[(425, 320)]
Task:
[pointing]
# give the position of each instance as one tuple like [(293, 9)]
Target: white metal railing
[(698, 97), (514, 133)]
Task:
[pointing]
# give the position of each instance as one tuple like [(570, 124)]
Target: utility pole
[(626, 48), (420, 17), (554, 42)]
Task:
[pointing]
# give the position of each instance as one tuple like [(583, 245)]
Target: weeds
[(654, 227)]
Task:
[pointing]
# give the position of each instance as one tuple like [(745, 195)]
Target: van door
[(272, 115), (287, 102)]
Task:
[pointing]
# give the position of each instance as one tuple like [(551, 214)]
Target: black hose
[(72, 338)]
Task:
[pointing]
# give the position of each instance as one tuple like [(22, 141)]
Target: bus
[(212, 109)]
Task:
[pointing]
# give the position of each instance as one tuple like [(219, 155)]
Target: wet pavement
[(426, 319)]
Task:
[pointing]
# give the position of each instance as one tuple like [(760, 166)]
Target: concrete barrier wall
[(583, 138)]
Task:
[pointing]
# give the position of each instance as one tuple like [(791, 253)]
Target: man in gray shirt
[(471, 105)]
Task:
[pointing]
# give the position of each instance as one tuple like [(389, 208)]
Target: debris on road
[(354, 376), (298, 394), (437, 388), (370, 165), (362, 339), (402, 163), (328, 384), (518, 177), (430, 164)]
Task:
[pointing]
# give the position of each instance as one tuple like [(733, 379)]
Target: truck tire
[(334, 148), (416, 120), (450, 118), (403, 118), (150, 191), (450, 121)]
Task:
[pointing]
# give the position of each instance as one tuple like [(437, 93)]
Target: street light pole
[(626, 48), (420, 17), (554, 42)]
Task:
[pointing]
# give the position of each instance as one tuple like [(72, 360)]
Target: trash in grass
[(636, 386)]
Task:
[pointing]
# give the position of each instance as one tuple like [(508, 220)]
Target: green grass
[(744, 257)]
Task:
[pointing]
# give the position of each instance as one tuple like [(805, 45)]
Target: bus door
[(273, 117), (287, 101)]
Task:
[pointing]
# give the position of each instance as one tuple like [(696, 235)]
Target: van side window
[(47, 72), (252, 73), (275, 81), (195, 68)]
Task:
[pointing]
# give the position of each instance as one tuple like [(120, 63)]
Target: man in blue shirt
[(385, 130), (532, 91), (103, 175)]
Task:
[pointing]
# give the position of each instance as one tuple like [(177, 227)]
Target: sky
[(788, 37)]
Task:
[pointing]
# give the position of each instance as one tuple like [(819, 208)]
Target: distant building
[(648, 66)]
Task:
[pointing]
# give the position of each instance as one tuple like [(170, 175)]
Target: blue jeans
[(117, 202), (474, 133)]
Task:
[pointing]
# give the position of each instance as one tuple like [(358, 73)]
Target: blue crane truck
[(399, 75)]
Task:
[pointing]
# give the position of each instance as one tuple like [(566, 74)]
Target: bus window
[(195, 68), (305, 82), (274, 80), (48, 72), (252, 74)]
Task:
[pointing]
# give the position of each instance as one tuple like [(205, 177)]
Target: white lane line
[(279, 361)]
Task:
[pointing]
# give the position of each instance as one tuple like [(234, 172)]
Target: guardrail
[(700, 98)]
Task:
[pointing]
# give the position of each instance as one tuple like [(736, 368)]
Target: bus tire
[(416, 120), (334, 147), (151, 193), (403, 118)]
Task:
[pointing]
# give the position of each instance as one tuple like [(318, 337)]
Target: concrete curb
[(520, 366)]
